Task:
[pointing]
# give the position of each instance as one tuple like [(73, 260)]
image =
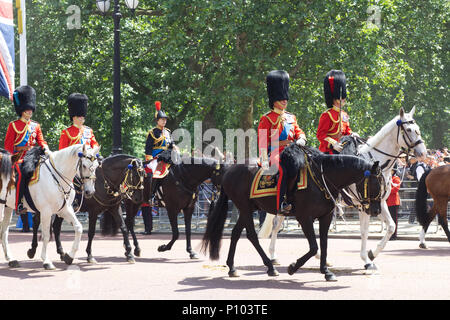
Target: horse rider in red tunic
[(78, 133), (276, 130), (333, 123), (23, 134)]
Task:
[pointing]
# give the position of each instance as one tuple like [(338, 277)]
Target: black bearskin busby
[(277, 86), (78, 104), (159, 113), (24, 98), (334, 86)]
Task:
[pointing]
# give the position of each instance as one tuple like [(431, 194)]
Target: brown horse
[(437, 182)]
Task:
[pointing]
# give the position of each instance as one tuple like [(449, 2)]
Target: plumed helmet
[(78, 104), (333, 86), (24, 98), (159, 113), (277, 86)]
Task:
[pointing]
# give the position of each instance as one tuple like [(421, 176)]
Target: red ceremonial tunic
[(22, 135), (328, 129), (276, 130), (75, 135), (394, 198)]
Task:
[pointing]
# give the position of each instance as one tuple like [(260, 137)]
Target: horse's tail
[(108, 226), (214, 227), (6, 165), (266, 228), (421, 201)]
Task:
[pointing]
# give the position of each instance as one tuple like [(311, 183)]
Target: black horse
[(119, 177), (179, 193), (326, 174)]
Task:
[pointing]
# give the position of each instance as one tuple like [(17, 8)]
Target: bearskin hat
[(78, 104), (159, 113), (277, 86), (24, 98), (334, 87)]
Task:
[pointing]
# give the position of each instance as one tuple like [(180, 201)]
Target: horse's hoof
[(137, 252), (233, 274), (370, 255), (370, 266), (49, 266), (330, 277), (273, 273), (423, 246), (194, 256), (275, 262), (162, 248), (67, 259), (91, 260), (31, 253), (291, 269), (61, 256), (14, 264), (131, 260)]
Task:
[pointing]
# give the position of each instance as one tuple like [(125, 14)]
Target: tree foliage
[(207, 60)]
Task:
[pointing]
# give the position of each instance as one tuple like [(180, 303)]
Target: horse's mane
[(117, 157), (6, 164), (374, 141), (293, 158)]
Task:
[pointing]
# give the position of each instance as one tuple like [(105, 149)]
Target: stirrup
[(285, 208), (21, 209)]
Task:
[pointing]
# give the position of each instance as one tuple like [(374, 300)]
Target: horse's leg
[(385, 217), (118, 218), (431, 214), (175, 233), (7, 216), (69, 215), (278, 222), (324, 225), (253, 237), (444, 223), (91, 234), (45, 232), (364, 220), (187, 212), (34, 244), (235, 235), (129, 222), (307, 225), (57, 231)]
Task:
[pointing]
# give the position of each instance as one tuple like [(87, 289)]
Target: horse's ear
[(402, 112), (411, 113), (84, 148), (375, 167)]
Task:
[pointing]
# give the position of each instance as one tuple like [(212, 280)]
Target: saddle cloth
[(266, 185)]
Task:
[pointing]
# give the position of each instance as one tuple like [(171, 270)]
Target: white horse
[(385, 147), (54, 193)]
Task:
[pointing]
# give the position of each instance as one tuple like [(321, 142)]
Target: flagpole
[(23, 45)]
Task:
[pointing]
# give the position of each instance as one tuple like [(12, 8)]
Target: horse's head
[(88, 163), (371, 190), (133, 184), (409, 137)]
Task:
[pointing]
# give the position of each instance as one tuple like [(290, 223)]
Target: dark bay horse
[(437, 182), (179, 193), (119, 177), (338, 171)]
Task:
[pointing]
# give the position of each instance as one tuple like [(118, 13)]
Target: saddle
[(265, 185)]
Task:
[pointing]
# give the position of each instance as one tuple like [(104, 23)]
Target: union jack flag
[(6, 49)]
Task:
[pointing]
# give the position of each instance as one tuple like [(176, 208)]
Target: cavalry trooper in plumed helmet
[(23, 134), (334, 123), (77, 133), (276, 130)]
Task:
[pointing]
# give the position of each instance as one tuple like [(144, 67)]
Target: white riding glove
[(47, 151), (301, 142), (337, 146), (354, 134)]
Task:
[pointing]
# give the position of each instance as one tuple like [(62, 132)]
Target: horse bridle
[(126, 187)]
